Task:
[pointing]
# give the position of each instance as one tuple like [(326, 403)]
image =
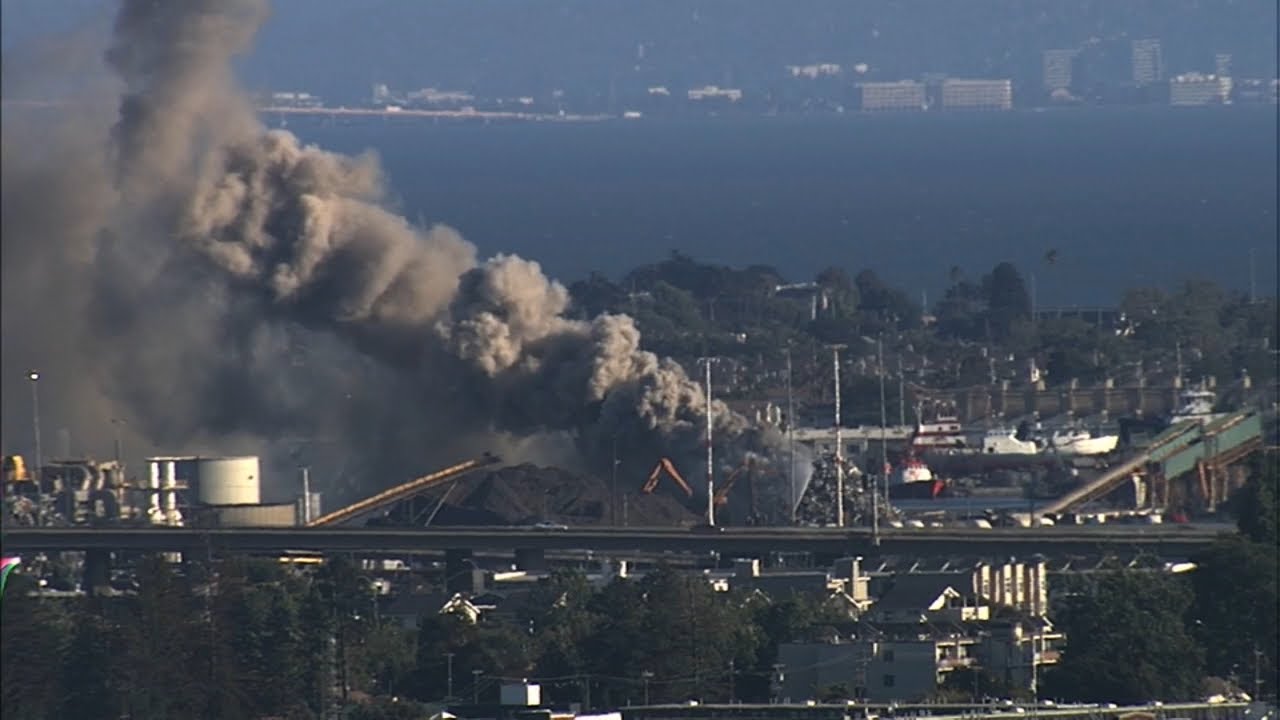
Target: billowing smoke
[(217, 284)]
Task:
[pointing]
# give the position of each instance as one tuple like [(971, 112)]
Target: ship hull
[(922, 490), (1089, 446)]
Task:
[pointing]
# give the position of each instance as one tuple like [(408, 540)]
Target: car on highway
[(549, 526)]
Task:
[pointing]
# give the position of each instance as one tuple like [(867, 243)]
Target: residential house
[(1019, 650), (913, 598), (906, 667), (843, 585)]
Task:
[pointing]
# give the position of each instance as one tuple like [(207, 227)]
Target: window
[(888, 680), (888, 656)]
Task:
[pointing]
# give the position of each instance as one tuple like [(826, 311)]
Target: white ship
[(1195, 405), (1003, 441), (942, 433), (1078, 441)]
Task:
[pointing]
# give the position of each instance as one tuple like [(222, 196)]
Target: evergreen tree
[(1126, 641)]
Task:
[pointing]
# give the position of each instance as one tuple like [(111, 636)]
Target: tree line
[(686, 309)]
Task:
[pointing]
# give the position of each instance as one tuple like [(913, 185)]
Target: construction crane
[(404, 491), (666, 465)]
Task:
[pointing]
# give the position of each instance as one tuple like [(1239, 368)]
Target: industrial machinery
[(748, 468), (15, 469), (665, 465), (404, 491), (64, 492)]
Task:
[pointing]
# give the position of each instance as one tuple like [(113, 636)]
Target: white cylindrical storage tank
[(308, 507), (153, 500), (228, 480), (281, 515)]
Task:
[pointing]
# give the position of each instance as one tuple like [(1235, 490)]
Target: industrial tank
[(228, 480), (280, 515)]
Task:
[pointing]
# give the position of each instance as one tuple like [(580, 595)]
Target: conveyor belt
[(402, 492)]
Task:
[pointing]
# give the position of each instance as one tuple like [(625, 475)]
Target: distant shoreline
[(370, 112), (435, 114), (487, 116)]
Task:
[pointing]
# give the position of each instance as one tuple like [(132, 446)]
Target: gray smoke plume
[(227, 287)]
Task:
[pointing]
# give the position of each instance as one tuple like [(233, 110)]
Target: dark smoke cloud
[(228, 287)]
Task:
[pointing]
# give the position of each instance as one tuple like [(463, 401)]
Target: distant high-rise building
[(1222, 65), (901, 95), (1148, 65), (977, 94), (1058, 65)]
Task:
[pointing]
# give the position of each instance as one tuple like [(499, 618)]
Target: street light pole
[(34, 377), (475, 690)]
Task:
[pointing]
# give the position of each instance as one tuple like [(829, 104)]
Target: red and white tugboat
[(913, 480)]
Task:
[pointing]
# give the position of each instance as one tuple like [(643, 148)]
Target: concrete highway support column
[(97, 571), (459, 571), (531, 560)]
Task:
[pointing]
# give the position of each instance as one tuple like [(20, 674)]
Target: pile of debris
[(818, 506), (528, 494)]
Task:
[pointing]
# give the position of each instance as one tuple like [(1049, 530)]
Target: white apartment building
[(900, 95), (1199, 89), (977, 94)]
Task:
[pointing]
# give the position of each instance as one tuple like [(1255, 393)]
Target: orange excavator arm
[(665, 465), (722, 495)]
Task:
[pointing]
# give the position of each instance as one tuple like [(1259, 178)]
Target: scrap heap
[(818, 505)]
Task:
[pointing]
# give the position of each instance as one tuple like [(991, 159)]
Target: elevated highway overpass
[(1169, 541)]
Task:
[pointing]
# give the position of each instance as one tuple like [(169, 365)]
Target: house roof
[(781, 585), (418, 604), (917, 591)]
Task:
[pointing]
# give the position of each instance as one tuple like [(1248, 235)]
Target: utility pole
[(1177, 349), (884, 450), (646, 676), (1253, 286), (475, 687), (1033, 300), (711, 490), (791, 440), (1257, 673), (613, 486), (733, 694), (448, 695), (902, 395), (835, 359)]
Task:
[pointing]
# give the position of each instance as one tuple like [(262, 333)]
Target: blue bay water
[(1136, 196)]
